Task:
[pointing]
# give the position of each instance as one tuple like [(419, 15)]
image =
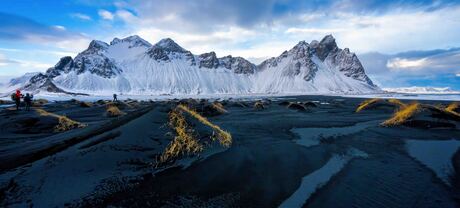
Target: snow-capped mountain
[(422, 90), (17, 82), (134, 66), (315, 67)]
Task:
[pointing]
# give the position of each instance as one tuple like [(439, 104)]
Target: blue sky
[(401, 43)]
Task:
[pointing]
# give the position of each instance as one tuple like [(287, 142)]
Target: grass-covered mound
[(403, 114), (113, 111), (224, 137), (297, 106), (453, 108), (63, 123), (259, 105), (219, 107), (365, 104), (411, 114), (184, 143)]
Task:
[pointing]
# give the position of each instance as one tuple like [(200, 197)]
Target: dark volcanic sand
[(263, 167)]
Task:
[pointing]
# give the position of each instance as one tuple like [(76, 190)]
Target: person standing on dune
[(115, 99), (17, 98), (28, 101)]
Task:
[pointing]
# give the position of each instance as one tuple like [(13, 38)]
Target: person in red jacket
[(17, 99)]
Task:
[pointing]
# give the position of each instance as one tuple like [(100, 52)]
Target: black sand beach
[(310, 151)]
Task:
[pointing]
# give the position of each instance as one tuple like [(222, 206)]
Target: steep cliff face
[(132, 65)]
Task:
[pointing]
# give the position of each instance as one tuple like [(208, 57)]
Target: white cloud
[(402, 63), (59, 27), (34, 64), (391, 32), (81, 16), (4, 61), (126, 16), (458, 75), (104, 14), (314, 30)]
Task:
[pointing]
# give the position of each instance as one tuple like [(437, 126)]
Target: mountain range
[(134, 66)]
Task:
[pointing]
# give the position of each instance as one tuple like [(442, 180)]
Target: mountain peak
[(328, 40), (97, 44), (326, 46), (134, 40), (169, 45)]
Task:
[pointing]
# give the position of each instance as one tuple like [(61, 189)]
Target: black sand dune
[(112, 161)]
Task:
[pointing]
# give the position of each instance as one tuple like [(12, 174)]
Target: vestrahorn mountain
[(134, 66)]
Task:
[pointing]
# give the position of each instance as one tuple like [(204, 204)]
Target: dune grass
[(64, 123), (183, 143), (397, 102), (225, 138), (219, 107), (452, 107), (365, 104), (403, 114), (113, 111), (259, 105)]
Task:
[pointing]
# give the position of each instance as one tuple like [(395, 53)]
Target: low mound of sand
[(113, 111)]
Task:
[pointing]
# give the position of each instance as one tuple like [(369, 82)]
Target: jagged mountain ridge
[(134, 66)]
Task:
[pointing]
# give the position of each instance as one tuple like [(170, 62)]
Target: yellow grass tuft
[(365, 104), (183, 143), (113, 111), (64, 123), (225, 138), (403, 114), (259, 105), (219, 107), (397, 102), (452, 107)]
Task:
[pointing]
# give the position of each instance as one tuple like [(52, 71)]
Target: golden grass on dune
[(259, 105), (113, 111), (64, 123), (446, 111), (403, 114), (397, 102), (225, 138), (452, 107), (183, 143), (365, 104), (219, 107)]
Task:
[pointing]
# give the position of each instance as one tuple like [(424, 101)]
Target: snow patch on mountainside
[(422, 90)]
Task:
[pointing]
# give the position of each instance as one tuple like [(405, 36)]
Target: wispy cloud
[(81, 16), (106, 15), (22, 29), (406, 64), (4, 61), (407, 68)]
